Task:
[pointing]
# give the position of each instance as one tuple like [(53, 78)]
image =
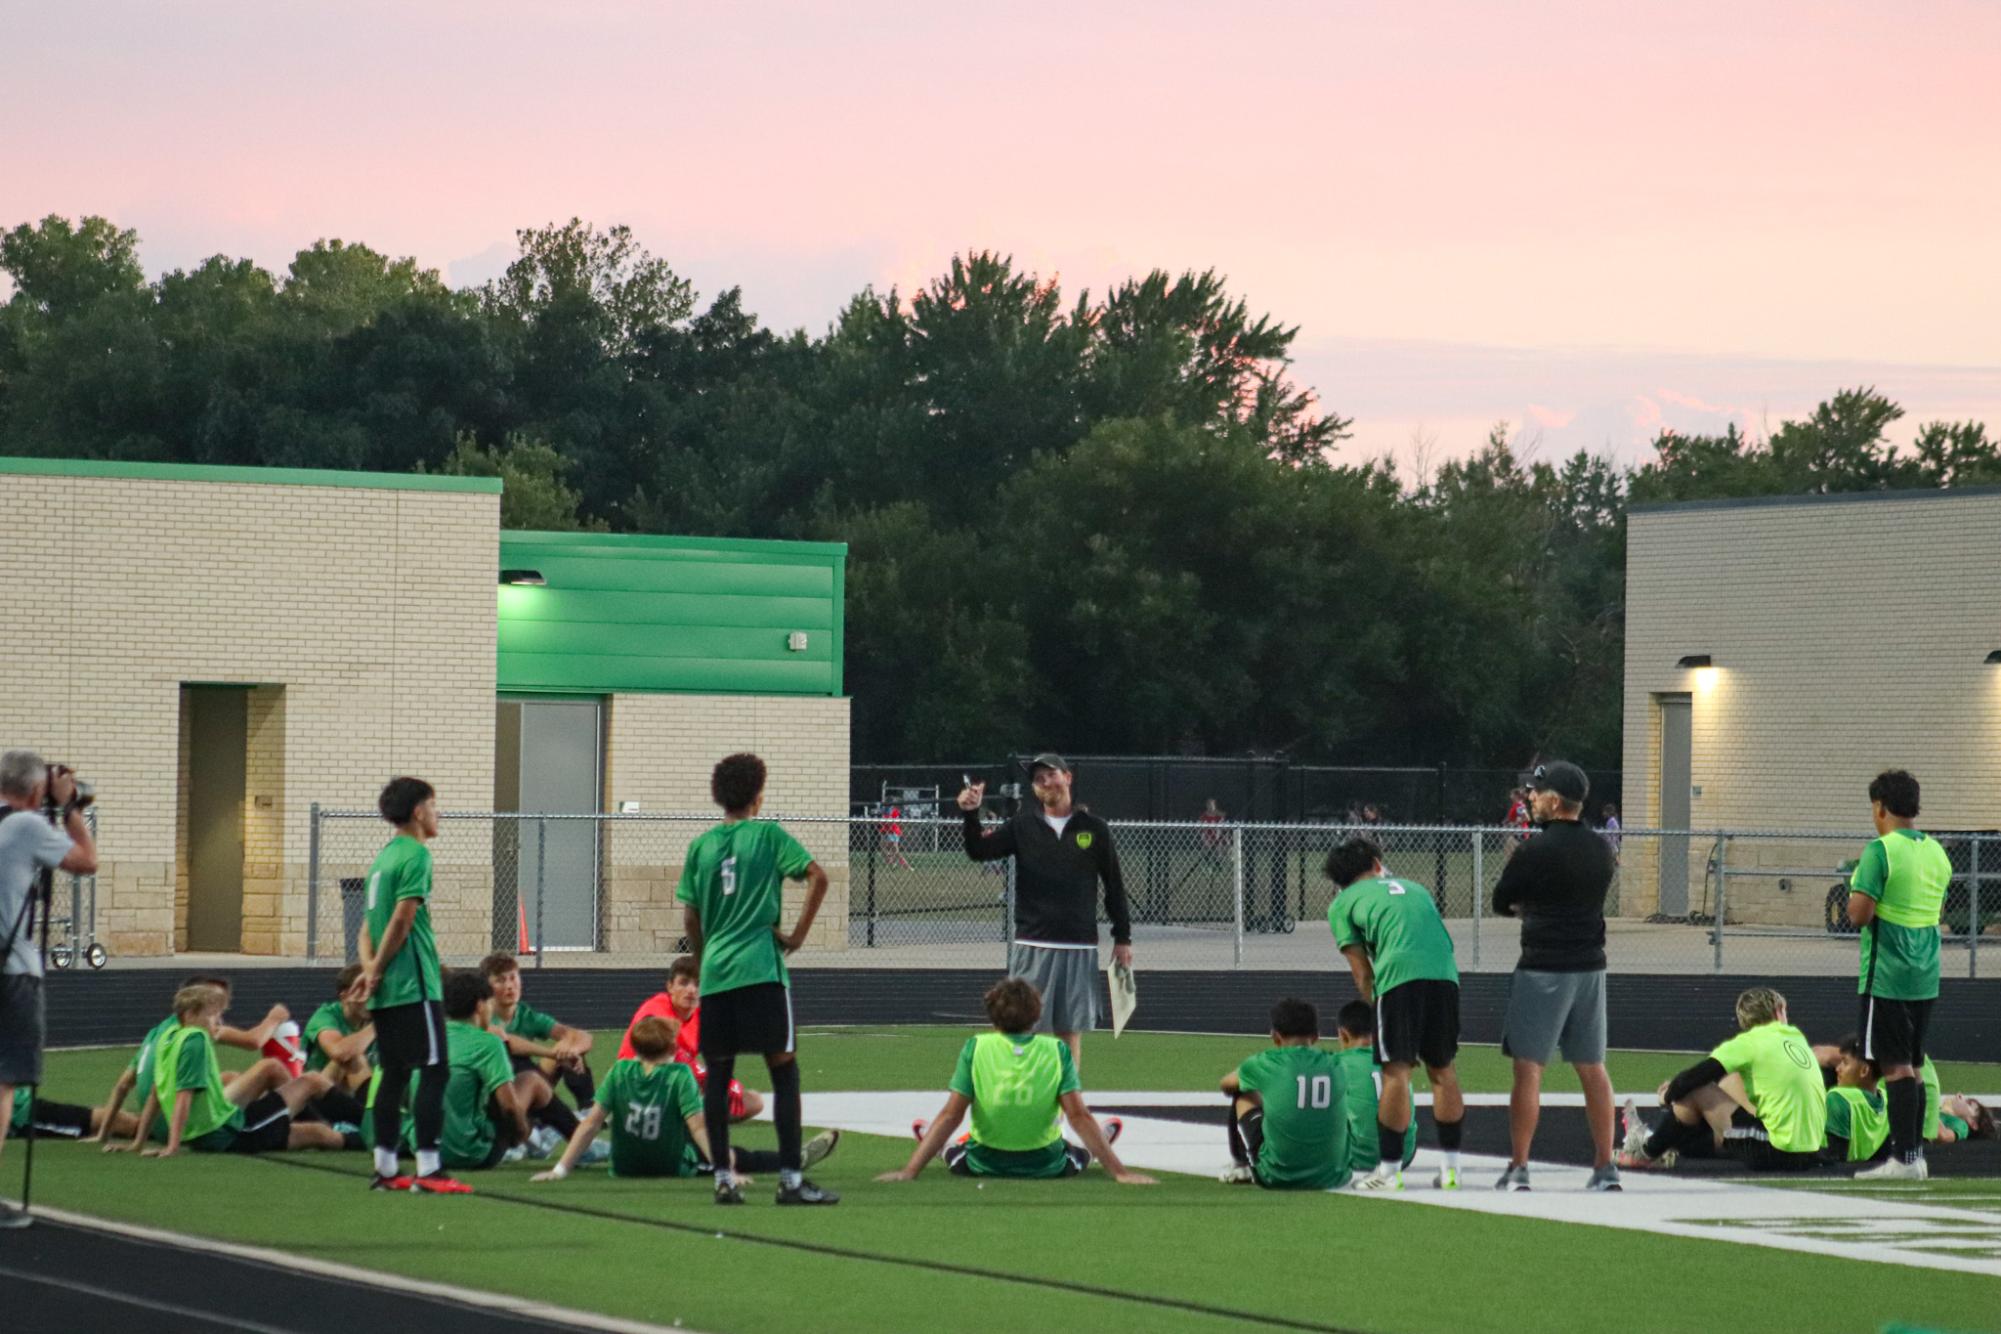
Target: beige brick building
[(1842, 635), (219, 649)]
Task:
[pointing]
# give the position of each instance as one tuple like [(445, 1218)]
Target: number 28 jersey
[(647, 1112), (1305, 1117), (734, 878)]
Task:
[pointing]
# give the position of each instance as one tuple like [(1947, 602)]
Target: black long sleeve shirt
[(1056, 878), (1556, 883)]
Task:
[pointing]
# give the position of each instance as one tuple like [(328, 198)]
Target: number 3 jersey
[(647, 1112), (734, 878), (1305, 1116)]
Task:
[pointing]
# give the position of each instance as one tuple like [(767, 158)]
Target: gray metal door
[(556, 763), (1675, 778), (218, 762)]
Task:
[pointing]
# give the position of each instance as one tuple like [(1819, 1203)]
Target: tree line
[(1111, 522)]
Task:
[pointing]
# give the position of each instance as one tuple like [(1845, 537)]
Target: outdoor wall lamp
[(529, 578), (1702, 660)]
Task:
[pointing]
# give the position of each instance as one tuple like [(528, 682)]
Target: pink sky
[(1584, 219)]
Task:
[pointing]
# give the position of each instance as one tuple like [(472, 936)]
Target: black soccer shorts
[(1418, 1021), (747, 1020), (410, 1037), (1893, 1031)]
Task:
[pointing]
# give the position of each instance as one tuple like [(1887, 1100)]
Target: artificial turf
[(947, 1253)]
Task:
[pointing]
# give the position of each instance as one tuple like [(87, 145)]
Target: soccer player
[(540, 1046), (1858, 1121), (1355, 1052), (138, 1072), (253, 1113), (651, 1101), (1400, 953), (339, 1035), (681, 1002), (404, 986), (64, 1120), (1758, 1098), (1288, 1111), (732, 895), (1015, 1082), (1894, 899)]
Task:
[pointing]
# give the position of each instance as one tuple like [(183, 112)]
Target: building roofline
[(1832, 498), (249, 476), (597, 543)]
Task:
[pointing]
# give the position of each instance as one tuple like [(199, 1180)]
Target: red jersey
[(656, 1006)]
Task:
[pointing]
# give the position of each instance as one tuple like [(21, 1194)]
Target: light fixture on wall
[(524, 578), (1695, 660), (1994, 658)]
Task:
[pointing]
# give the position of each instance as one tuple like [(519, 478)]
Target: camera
[(85, 794)]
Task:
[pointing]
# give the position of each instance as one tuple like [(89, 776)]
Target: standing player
[(1556, 883), (682, 1003), (1060, 854), (1400, 953), (732, 892), (404, 986), (1894, 898), (1288, 1115)]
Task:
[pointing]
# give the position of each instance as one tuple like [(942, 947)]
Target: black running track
[(59, 1278), (1563, 1137)]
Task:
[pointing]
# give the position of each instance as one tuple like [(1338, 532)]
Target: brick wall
[(365, 618), (1848, 637)]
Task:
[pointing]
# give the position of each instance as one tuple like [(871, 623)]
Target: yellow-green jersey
[(402, 870), (1860, 1116), (1303, 1094), (186, 1061), (1928, 1074), (647, 1113), (141, 1064), (1783, 1082), (734, 878), (1016, 1084), (1906, 873), (1362, 1088)]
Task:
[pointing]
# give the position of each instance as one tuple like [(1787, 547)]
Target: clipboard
[(1125, 995)]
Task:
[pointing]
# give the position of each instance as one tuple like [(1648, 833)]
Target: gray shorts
[(21, 1029), (1552, 1011), (1068, 981)]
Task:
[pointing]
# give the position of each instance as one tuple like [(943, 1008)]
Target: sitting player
[(1288, 1114), (1015, 1081), (1759, 1098), (654, 1108), (1858, 1116), (1355, 1050), (138, 1072), (254, 1113), (1963, 1118), (681, 1002), (535, 1041), (340, 1036), (63, 1120)]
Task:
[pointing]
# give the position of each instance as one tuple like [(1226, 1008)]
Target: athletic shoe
[(1604, 1178), (1894, 1169), (817, 1148), (13, 1217), (806, 1193), (728, 1192), (441, 1182), (1636, 1130), (1114, 1126), (1513, 1178), (514, 1155), (1240, 1174), (1447, 1178), (1383, 1176), (597, 1151), (544, 1140), (401, 1181)]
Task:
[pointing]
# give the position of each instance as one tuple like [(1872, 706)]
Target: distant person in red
[(1213, 833), (892, 837), (1518, 810), (682, 1002)]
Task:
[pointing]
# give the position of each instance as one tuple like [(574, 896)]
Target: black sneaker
[(806, 1193), (728, 1192), (13, 1216)]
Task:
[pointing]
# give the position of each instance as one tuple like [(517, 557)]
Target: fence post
[(541, 869), (1722, 897), (1438, 858), (312, 883), (1007, 918), (1973, 911), (1479, 888), (874, 836), (1237, 858)]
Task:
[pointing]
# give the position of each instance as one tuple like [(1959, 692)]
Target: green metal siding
[(641, 613)]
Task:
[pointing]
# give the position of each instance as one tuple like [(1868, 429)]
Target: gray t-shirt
[(27, 844)]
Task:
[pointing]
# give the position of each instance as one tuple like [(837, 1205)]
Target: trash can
[(352, 909)]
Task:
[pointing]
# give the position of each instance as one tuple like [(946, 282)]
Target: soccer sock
[(1907, 1118), (338, 1105), (385, 1162), (785, 1112), (558, 1118), (583, 1086), (1389, 1144), (429, 1164), (430, 1108), (1450, 1135), (1672, 1134), (389, 1116), (1238, 1153), (716, 1112), (755, 1160)]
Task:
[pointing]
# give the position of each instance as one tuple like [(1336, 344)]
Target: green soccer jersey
[(1783, 1082), (1860, 1117), (141, 1064), (734, 880), (1361, 1081), (186, 1060), (329, 1018), (402, 870), (1303, 1092), (1016, 1084), (648, 1111), (527, 1022), (1906, 873), (23, 1110), (479, 1068), (1397, 922)]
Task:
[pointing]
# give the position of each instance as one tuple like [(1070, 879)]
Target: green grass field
[(945, 1253)]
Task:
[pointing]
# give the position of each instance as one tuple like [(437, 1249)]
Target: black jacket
[(1056, 880), (1556, 883)]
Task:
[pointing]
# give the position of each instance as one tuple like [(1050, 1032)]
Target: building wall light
[(527, 578), (1701, 660), (1994, 658)]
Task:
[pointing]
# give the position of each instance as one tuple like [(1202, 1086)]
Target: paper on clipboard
[(1125, 995)]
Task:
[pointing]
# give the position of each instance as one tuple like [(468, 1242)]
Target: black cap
[(1561, 777), (1048, 759)]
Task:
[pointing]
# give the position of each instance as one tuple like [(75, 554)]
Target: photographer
[(29, 846)]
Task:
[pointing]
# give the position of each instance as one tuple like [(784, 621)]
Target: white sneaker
[(543, 1141), (515, 1154), (598, 1152), (1383, 1176), (1895, 1169), (1238, 1175), (816, 1149), (1636, 1130)]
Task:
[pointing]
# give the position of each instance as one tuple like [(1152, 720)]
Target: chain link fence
[(580, 890)]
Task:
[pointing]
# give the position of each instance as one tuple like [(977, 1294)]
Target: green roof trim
[(209, 472)]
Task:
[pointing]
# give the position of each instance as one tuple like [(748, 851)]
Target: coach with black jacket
[(1060, 854)]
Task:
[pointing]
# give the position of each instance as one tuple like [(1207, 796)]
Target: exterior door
[(548, 763), (1675, 776), (218, 754)]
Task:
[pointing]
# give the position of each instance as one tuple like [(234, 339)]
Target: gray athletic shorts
[(1067, 979), (21, 1030), (1552, 1011)]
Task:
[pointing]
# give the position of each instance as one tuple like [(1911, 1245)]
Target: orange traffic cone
[(523, 945)]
